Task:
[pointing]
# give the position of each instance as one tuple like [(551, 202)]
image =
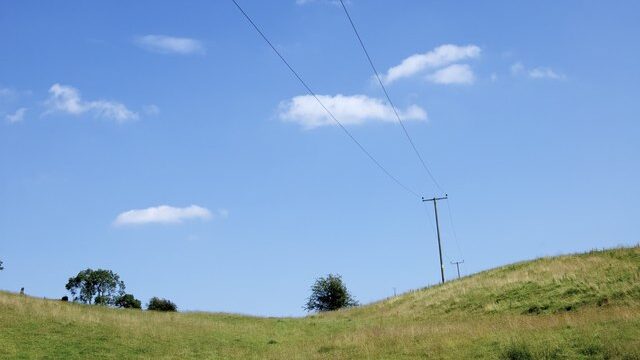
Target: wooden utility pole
[(458, 266), (435, 209)]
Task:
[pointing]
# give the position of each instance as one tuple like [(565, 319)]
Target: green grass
[(584, 306)]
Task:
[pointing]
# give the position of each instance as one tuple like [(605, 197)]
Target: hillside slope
[(583, 306)]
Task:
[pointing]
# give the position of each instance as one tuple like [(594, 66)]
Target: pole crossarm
[(457, 263), (445, 197)]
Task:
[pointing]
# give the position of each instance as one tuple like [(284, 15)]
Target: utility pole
[(458, 266), (435, 209)]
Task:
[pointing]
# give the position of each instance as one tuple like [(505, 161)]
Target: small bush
[(64, 298), (157, 304), (127, 301)]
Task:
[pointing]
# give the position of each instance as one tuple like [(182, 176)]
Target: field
[(584, 306)]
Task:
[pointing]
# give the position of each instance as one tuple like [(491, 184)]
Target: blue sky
[(168, 143)]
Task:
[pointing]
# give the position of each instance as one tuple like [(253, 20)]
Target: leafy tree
[(328, 294), (1, 267), (99, 286), (157, 304), (127, 301)]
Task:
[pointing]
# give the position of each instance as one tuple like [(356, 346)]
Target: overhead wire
[(386, 93), (404, 129), (453, 230), (313, 94)]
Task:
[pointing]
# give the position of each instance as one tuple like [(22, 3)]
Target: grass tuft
[(517, 351)]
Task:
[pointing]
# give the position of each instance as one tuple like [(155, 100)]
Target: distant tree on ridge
[(157, 304), (128, 301), (328, 294), (101, 287)]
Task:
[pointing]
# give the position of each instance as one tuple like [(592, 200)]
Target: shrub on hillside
[(128, 301), (157, 304), (64, 298), (329, 293)]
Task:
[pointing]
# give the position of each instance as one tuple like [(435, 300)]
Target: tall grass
[(573, 307)]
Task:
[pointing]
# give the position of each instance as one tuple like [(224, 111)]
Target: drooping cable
[(386, 93), (313, 94)]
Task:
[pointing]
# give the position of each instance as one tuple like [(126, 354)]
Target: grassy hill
[(583, 306)]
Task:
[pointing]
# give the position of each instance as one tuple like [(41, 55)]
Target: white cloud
[(67, 99), (453, 74), (162, 214), (441, 56), (349, 110), (537, 73), (545, 73), (169, 44), (16, 117)]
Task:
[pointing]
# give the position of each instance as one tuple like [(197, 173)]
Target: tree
[(99, 286), (127, 301), (1, 267), (157, 304), (328, 294)]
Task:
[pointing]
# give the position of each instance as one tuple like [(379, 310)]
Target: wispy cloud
[(164, 214), (10, 94), (441, 56), (169, 44), (151, 109), (67, 99), (16, 117), (349, 110), (6, 92), (453, 74), (536, 73), (516, 68), (545, 73)]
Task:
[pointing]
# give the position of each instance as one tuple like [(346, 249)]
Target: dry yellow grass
[(572, 307)]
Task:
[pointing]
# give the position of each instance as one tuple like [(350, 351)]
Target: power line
[(384, 89), (312, 93), (453, 229), (406, 133)]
